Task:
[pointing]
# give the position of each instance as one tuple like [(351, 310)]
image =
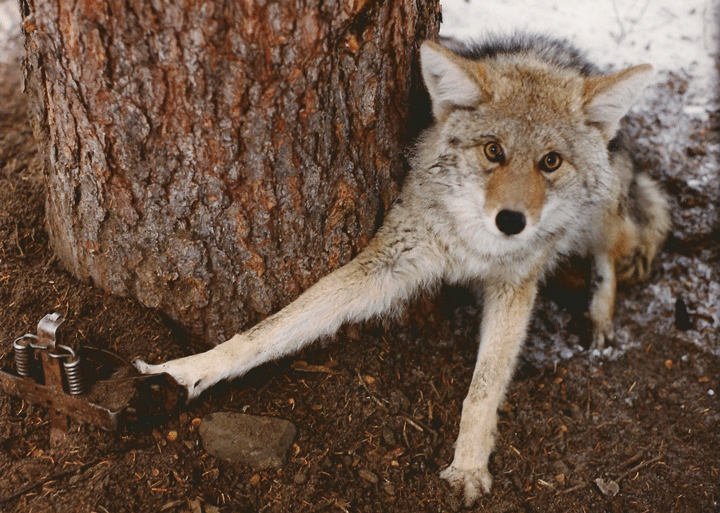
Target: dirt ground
[(378, 416)]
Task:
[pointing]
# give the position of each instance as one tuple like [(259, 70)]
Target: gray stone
[(259, 442), (609, 488), (559, 467)]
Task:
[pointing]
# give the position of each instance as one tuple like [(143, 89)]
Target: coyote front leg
[(506, 314), (387, 272)]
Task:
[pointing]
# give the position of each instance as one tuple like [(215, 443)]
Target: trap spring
[(61, 379), (71, 365)]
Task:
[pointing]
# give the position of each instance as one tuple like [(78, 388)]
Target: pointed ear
[(448, 79), (608, 98)]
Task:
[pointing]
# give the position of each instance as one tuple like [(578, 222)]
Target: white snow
[(9, 30), (672, 35)]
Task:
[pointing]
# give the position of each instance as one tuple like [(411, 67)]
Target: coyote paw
[(188, 376), (471, 483), (602, 332)]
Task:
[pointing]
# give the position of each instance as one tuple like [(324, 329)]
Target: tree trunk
[(214, 159)]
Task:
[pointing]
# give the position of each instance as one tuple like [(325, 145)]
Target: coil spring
[(25, 360), (24, 355), (74, 375)]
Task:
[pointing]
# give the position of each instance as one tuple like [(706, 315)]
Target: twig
[(377, 401), (619, 20), (419, 425), (17, 240), (46, 480), (638, 467), (622, 476), (576, 487), (632, 460), (318, 369)]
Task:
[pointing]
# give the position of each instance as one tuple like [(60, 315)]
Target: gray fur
[(503, 112)]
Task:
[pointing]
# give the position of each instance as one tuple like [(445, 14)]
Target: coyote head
[(526, 136)]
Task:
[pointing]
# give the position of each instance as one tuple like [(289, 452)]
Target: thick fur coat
[(522, 167)]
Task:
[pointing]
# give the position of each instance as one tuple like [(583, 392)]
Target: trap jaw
[(60, 383)]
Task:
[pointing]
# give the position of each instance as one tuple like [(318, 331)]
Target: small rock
[(695, 151), (398, 402), (559, 467), (368, 476), (259, 442), (300, 478), (682, 317), (388, 436), (195, 506), (171, 505), (608, 489)]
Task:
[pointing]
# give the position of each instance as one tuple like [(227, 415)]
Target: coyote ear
[(608, 98), (448, 81)]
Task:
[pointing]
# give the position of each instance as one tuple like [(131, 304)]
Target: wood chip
[(302, 366), (172, 505)]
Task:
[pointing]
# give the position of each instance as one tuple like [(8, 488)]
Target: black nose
[(510, 222)]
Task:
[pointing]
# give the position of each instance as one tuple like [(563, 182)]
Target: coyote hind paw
[(471, 483)]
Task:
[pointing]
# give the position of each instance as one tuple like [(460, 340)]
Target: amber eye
[(551, 162), (494, 152)]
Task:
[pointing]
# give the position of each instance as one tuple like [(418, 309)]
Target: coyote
[(522, 168)]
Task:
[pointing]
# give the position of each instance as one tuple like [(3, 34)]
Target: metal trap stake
[(60, 383)]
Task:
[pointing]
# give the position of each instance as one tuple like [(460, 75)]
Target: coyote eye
[(551, 162), (494, 152)]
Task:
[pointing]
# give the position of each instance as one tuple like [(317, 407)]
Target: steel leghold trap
[(89, 385)]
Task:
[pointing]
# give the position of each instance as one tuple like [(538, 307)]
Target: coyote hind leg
[(648, 214)]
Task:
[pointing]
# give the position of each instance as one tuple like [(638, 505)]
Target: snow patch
[(9, 30)]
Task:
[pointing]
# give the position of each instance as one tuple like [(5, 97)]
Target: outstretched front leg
[(395, 264), (506, 314)]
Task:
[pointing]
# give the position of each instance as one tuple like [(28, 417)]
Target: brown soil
[(376, 421)]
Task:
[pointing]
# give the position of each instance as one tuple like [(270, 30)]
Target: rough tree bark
[(214, 159)]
